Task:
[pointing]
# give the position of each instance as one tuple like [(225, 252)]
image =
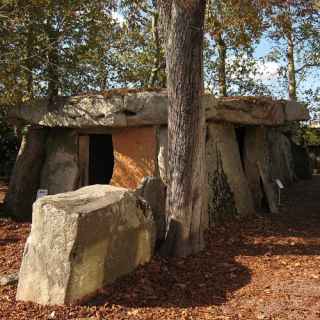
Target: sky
[(270, 69)]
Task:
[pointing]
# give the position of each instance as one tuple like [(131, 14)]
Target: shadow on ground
[(210, 278)]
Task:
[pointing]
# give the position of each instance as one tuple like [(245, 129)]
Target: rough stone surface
[(150, 108), (257, 162), (247, 110), (26, 174), (282, 164), (153, 190), (294, 111), (228, 192), (302, 162), (81, 241), (9, 279), (60, 171)]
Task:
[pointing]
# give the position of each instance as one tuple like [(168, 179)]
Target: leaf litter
[(263, 268)]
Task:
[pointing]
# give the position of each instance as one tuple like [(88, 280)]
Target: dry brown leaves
[(266, 268)]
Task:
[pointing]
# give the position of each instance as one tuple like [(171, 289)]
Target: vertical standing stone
[(228, 190), (61, 169), (25, 178), (257, 162), (282, 164)]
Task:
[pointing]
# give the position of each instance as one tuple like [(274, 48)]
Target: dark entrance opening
[(240, 134), (101, 159), (264, 208)]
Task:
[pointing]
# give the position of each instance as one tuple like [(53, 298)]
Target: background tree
[(294, 27), (233, 28)]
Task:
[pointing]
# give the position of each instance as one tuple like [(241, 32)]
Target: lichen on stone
[(221, 203)]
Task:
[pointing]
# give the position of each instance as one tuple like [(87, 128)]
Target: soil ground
[(265, 268)]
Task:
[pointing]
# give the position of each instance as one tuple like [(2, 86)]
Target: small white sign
[(42, 193), (279, 184)]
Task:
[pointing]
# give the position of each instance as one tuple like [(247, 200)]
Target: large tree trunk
[(186, 194)]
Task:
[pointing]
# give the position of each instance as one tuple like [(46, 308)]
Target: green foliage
[(310, 136), (50, 48), (65, 47), (8, 147)]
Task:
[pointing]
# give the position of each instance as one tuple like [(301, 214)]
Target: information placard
[(42, 193), (279, 184)]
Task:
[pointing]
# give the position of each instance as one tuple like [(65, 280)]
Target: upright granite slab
[(257, 162), (60, 171), (26, 174), (282, 163), (83, 240), (228, 189)]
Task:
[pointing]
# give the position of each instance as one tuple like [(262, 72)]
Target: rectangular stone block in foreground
[(83, 240)]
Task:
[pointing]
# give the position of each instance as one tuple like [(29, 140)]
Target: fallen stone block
[(82, 240)]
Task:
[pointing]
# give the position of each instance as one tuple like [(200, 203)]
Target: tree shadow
[(199, 280), (8, 241), (210, 278)]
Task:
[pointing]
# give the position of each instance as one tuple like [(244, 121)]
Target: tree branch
[(307, 65)]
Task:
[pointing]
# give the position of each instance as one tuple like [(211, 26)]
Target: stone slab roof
[(151, 108)]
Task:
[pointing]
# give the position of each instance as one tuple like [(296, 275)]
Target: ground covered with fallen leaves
[(265, 268)]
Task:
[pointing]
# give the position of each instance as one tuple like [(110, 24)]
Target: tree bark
[(53, 56), (29, 64), (292, 84), (222, 51), (154, 77), (186, 193)]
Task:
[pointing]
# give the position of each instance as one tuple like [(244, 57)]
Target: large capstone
[(83, 240), (116, 109)]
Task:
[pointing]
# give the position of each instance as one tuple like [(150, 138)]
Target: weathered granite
[(60, 172), (257, 163), (228, 190), (295, 111), (26, 174), (83, 240), (153, 190), (151, 108), (282, 164)]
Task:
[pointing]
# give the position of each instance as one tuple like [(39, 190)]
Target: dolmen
[(89, 154)]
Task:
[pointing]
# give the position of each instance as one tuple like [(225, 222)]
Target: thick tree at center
[(186, 211)]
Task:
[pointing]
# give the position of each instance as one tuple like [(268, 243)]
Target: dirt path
[(267, 268)]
